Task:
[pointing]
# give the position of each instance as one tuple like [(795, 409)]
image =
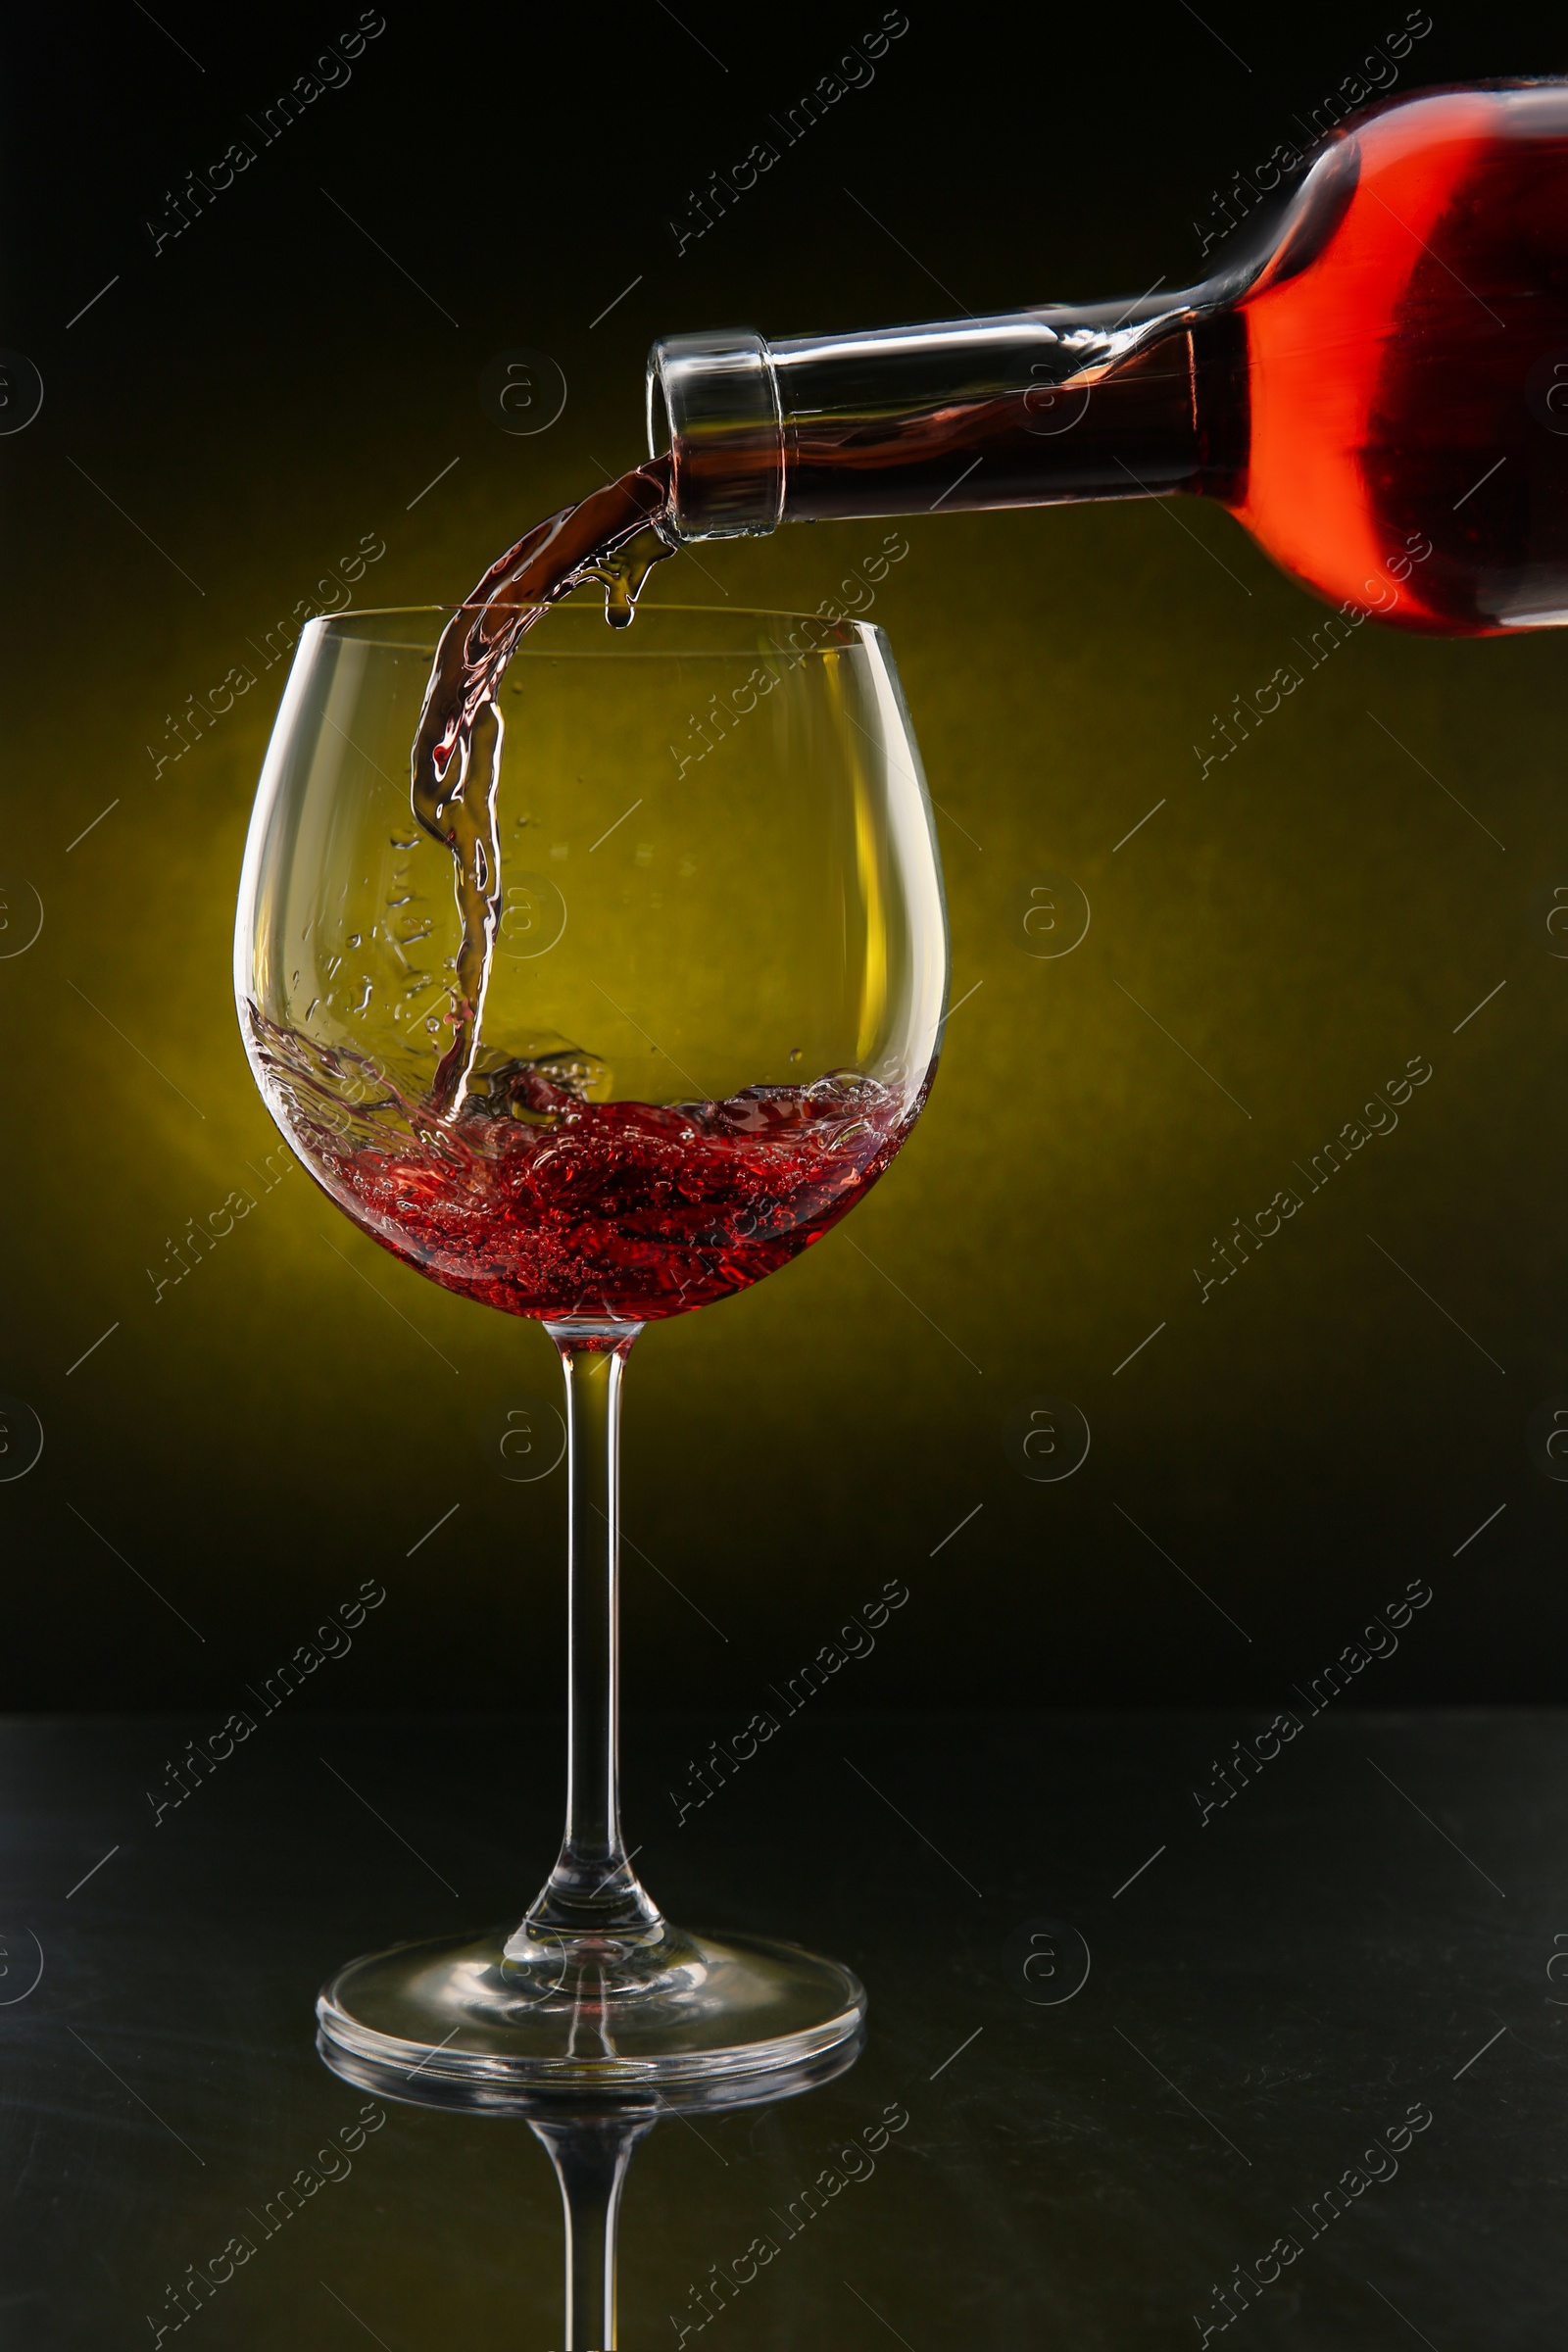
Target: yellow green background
[(294, 1415)]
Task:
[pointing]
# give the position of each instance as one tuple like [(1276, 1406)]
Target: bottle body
[(1378, 388)]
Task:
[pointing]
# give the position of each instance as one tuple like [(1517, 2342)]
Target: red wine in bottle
[(1407, 390), (1377, 387)]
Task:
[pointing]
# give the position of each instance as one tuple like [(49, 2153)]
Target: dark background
[(230, 417)]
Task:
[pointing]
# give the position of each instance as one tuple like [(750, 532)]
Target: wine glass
[(703, 1016)]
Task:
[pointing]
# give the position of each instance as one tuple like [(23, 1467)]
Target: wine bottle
[(1376, 384)]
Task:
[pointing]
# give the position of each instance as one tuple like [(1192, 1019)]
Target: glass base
[(534, 2009)]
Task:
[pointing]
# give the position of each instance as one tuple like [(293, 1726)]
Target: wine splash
[(538, 1201)]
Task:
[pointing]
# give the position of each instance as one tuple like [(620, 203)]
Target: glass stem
[(590, 2160), (593, 1889)]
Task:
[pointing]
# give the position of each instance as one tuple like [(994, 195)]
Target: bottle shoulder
[(1401, 391)]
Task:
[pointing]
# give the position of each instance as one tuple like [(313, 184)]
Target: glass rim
[(542, 606)]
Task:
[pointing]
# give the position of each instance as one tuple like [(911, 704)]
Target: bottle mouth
[(714, 403)]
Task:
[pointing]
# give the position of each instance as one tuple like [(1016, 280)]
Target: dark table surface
[(1374, 1930)]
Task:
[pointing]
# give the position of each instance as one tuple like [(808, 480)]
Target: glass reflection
[(590, 2139)]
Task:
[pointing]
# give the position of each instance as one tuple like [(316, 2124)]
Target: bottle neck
[(1031, 409)]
